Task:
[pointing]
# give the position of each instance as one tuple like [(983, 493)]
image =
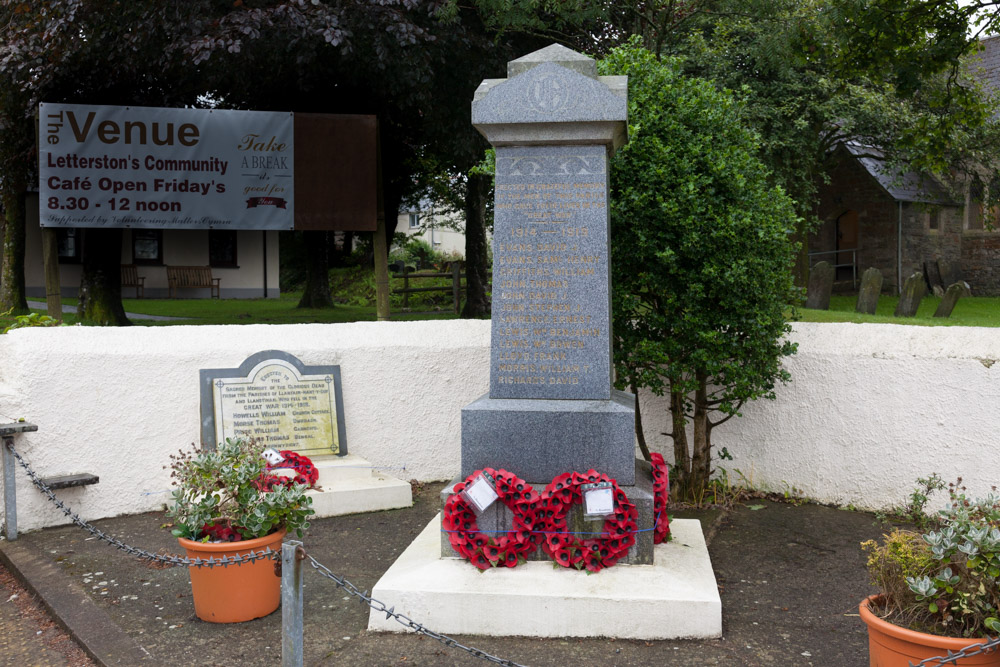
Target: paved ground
[(790, 578)]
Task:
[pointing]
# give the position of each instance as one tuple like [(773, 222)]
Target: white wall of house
[(180, 248), (430, 227), (870, 408)]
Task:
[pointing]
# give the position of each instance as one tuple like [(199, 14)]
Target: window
[(222, 248), (69, 245), (147, 246), (414, 220), (933, 218)]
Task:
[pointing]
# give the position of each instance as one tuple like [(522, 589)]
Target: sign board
[(277, 400), (155, 168)]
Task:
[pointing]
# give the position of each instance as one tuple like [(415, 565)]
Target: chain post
[(9, 489), (292, 556)]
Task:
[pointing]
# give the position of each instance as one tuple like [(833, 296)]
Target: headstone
[(914, 289), (948, 272), (550, 408), (871, 287), (276, 399), (955, 290), (933, 276), (820, 286)]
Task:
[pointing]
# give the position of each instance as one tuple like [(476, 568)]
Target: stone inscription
[(551, 311), (278, 407)]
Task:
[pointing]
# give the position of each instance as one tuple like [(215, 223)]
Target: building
[(245, 261), (440, 231)]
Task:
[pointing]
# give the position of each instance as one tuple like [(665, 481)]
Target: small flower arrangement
[(945, 581), (229, 494)]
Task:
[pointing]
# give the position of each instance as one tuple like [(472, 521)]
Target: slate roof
[(910, 187)]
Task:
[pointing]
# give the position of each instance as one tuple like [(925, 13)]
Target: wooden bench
[(131, 278), (191, 277)]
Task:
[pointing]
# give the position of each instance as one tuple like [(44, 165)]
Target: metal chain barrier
[(390, 612), (225, 561), (169, 559), (967, 652)]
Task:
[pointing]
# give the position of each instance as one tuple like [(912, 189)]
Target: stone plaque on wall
[(277, 400)]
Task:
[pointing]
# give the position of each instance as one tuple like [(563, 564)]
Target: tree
[(700, 256), (124, 52)]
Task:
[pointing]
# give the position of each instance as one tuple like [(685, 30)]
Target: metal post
[(9, 489), (292, 556)]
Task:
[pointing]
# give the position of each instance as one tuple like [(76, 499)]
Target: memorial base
[(674, 598), (350, 485)]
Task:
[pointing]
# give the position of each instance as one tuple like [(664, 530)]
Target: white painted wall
[(870, 409)]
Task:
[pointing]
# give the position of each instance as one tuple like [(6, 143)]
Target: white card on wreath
[(272, 456), (599, 502), (480, 494)]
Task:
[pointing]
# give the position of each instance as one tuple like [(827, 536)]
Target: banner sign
[(104, 166)]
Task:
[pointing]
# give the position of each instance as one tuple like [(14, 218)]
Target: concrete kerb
[(70, 606)]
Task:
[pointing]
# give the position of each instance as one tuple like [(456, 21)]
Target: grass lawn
[(969, 312), (282, 310)]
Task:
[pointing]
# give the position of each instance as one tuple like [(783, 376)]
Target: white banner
[(102, 166)]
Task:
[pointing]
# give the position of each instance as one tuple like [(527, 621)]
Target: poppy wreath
[(661, 494), (596, 553), (485, 551), (305, 472)]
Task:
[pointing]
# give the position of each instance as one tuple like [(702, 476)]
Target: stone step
[(336, 469), (350, 495)]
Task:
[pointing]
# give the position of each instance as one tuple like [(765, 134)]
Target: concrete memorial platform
[(550, 409), (286, 404), (675, 597)]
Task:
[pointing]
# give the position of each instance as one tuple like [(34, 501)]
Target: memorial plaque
[(551, 301), (277, 400)]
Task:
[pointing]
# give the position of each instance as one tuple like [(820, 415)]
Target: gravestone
[(914, 289), (955, 290), (820, 286), (948, 272), (933, 276), (277, 400), (871, 288), (550, 408)]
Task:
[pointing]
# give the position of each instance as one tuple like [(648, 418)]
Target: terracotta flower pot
[(234, 593), (892, 646)]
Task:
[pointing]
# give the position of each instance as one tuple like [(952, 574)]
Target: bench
[(191, 277), (131, 278)]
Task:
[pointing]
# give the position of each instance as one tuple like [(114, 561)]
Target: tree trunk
[(476, 256), (12, 295), (316, 293), (101, 282), (682, 458), (701, 459), (639, 434), (800, 271)]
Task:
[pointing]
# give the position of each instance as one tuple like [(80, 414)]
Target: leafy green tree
[(700, 257)]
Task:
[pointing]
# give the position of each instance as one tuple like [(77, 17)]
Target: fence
[(292, 556), (454, 272), (853, 263)]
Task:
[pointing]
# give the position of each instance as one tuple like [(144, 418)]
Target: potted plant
[(229, 502), (939, 589)]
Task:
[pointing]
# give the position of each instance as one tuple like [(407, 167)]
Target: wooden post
[(456, 285), (406, 286), (50, 261), (381, 252)]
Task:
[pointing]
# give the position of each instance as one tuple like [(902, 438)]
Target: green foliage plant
[(29, 320), (700, 257), (946, 580), (220, 489)]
